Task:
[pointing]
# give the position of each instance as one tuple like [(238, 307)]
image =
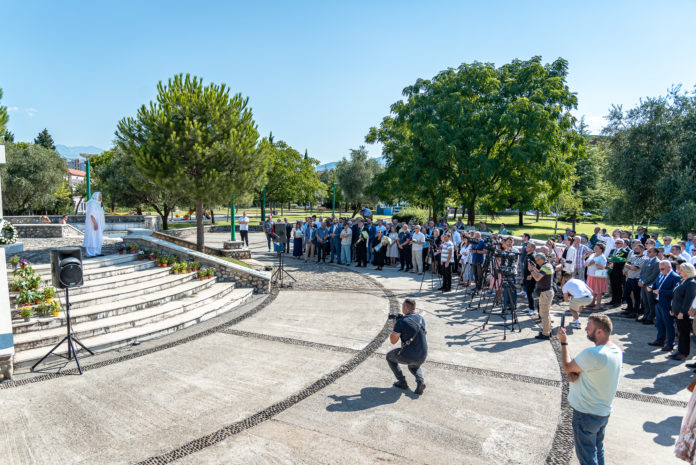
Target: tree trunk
[(282, 205), (165, 217), (77, 207), (521, 217), (212, 216), (574, 220), (455, 214), (200, 239), (471, 213), (537, 216)]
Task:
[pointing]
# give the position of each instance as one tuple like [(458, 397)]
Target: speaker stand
[(69, 338)]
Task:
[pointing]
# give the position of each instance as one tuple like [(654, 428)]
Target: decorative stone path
[(300, 377)]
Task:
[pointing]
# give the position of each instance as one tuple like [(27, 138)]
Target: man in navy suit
[(371, 235), (335, 240), (663, 288)]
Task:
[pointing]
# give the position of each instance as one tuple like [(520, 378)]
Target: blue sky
[(319, 74)]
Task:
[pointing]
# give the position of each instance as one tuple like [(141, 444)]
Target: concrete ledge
[(232, 245), (225, 270), (47, 230), (214, 228), (12, 249)]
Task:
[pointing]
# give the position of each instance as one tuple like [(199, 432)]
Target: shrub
[(418, 215)]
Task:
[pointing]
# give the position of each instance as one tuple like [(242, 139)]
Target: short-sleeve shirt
[(594, 390), (478, 258), (598, 260), (418, 237), (544, 284), (403, 237), (407, 326), (322, 233), (349, 235), (577, 289), (447, 247), (244, 223)]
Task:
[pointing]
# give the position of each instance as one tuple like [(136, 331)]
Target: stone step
[(119, 281), (216, 294), (108, 296), (117, 307), (142, 333), (91, 263), (106, 271)]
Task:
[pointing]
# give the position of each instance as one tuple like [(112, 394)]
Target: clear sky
[(319, 74)]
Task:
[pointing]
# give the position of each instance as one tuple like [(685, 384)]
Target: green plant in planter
[(132, 247), (185, 267), (141, 255), (171, 260), (43, 309), (34, 281), (211, 272), (194, 266), (49, 293), (26, 312), (202, 273), (25, 296), (14, 261), (24, 272), (18, 283), (54, 307)]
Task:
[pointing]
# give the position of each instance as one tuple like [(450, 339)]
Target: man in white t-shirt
[(578, 294), (244, 228), (593, 377), (417, 241)]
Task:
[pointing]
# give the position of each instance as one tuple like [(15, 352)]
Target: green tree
[(652, 146), (8, 137), (197, 140), (486, 134), (4, 118), (328, 178), (30, 177), (120, 181), (44, 139), (355, 175)]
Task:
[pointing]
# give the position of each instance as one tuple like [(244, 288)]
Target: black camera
[(395, 316)]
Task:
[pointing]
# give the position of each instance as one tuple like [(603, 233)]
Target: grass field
[(541, 229)]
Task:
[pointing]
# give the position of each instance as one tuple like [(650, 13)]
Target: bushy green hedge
[(418, 215), (582, 219)]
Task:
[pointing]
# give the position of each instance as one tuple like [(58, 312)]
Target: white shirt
[(577, 288), (456, 237), (569, 265), (417, 237), (244, 223)]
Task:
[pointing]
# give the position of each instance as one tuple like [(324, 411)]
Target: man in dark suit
[(663, 290), (335, 240), (288, 235), (361, 245), (648, 275), (371, 235), (356, 232)]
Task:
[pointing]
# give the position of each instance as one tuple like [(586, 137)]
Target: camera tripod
[(280, 272), (431, 257), (505, 298), (72, 340)]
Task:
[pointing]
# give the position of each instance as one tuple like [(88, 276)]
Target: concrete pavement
[(304, 381)]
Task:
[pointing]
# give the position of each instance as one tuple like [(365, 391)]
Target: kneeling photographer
[(410, 328)]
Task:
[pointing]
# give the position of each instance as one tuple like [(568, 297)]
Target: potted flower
[(26, 313), (34, 281), (121, 249), (141, 255), (14, 261), (161, 261), (23, 263), (202, 273), (55, 308), (42, 309), (49, 293), (18, 283), (36, 296), (175, 268), (25, 297), (193, 266), (171, 260), (211, 272), (185, 267), (151, 256)]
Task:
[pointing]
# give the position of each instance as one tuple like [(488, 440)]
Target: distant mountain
[(332, 165), (74, 152)]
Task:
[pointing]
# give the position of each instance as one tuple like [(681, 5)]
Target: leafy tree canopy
[(44, 139), (354, 175)]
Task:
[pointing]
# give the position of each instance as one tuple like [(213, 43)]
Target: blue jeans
[(414, 366), (269, 240), (336, 249), (345, 254), (370, 256), (588, 431), (664, 322)]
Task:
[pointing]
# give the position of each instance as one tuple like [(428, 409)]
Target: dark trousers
[(446, 277), (478, 274), (414, 366), (405, 258), (632, 295), (684, 330), (617, 281), (287, 243), (664, 322), (361, 253), (321, 251), (245, 237), (648, 300), (529, 285), (379, 256)]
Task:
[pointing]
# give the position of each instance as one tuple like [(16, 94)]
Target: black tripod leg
[(50, 352), (71, 346), (82, 345)]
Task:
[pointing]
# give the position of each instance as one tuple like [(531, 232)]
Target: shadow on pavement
[(666, 431), (368, 398)]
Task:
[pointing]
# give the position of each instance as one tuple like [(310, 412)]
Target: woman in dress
[(682, 297), (380, 249), (434, 266), (597, 274), (466, 275), (298, 241), (393, 251)]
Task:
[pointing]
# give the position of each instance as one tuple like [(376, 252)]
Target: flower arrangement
[(141, 255), (8, 233), (193, 266), (184, 267), (202, 273), (26, 313), (23, 263), (171, 260), (49, 293), (175, 268), (211, 272), (54, 306), (43, 309)]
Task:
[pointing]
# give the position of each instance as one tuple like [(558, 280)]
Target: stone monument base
[(12, 249)]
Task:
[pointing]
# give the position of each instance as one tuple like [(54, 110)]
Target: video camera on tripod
[(508, 262)]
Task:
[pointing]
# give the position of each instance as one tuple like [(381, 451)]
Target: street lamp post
[(263, 205), (87, 156), (232, 215), (333, 206)]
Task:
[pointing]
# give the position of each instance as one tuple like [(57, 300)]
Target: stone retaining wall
[(224, 270), (113, 222), (46, 230), (213, 228), (240, 254)]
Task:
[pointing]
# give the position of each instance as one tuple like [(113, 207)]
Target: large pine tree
[(44, 139)]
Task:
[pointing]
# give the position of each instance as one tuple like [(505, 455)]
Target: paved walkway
[(300, 377)]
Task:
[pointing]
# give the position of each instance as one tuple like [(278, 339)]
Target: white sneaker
[(576, 324), (531, 312)]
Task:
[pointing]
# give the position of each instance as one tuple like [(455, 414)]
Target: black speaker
[(66, 267), (280, 233)]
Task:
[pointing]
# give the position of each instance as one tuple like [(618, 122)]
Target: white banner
[(6, 341)]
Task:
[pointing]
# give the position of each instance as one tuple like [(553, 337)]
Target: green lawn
[(236, 262)]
